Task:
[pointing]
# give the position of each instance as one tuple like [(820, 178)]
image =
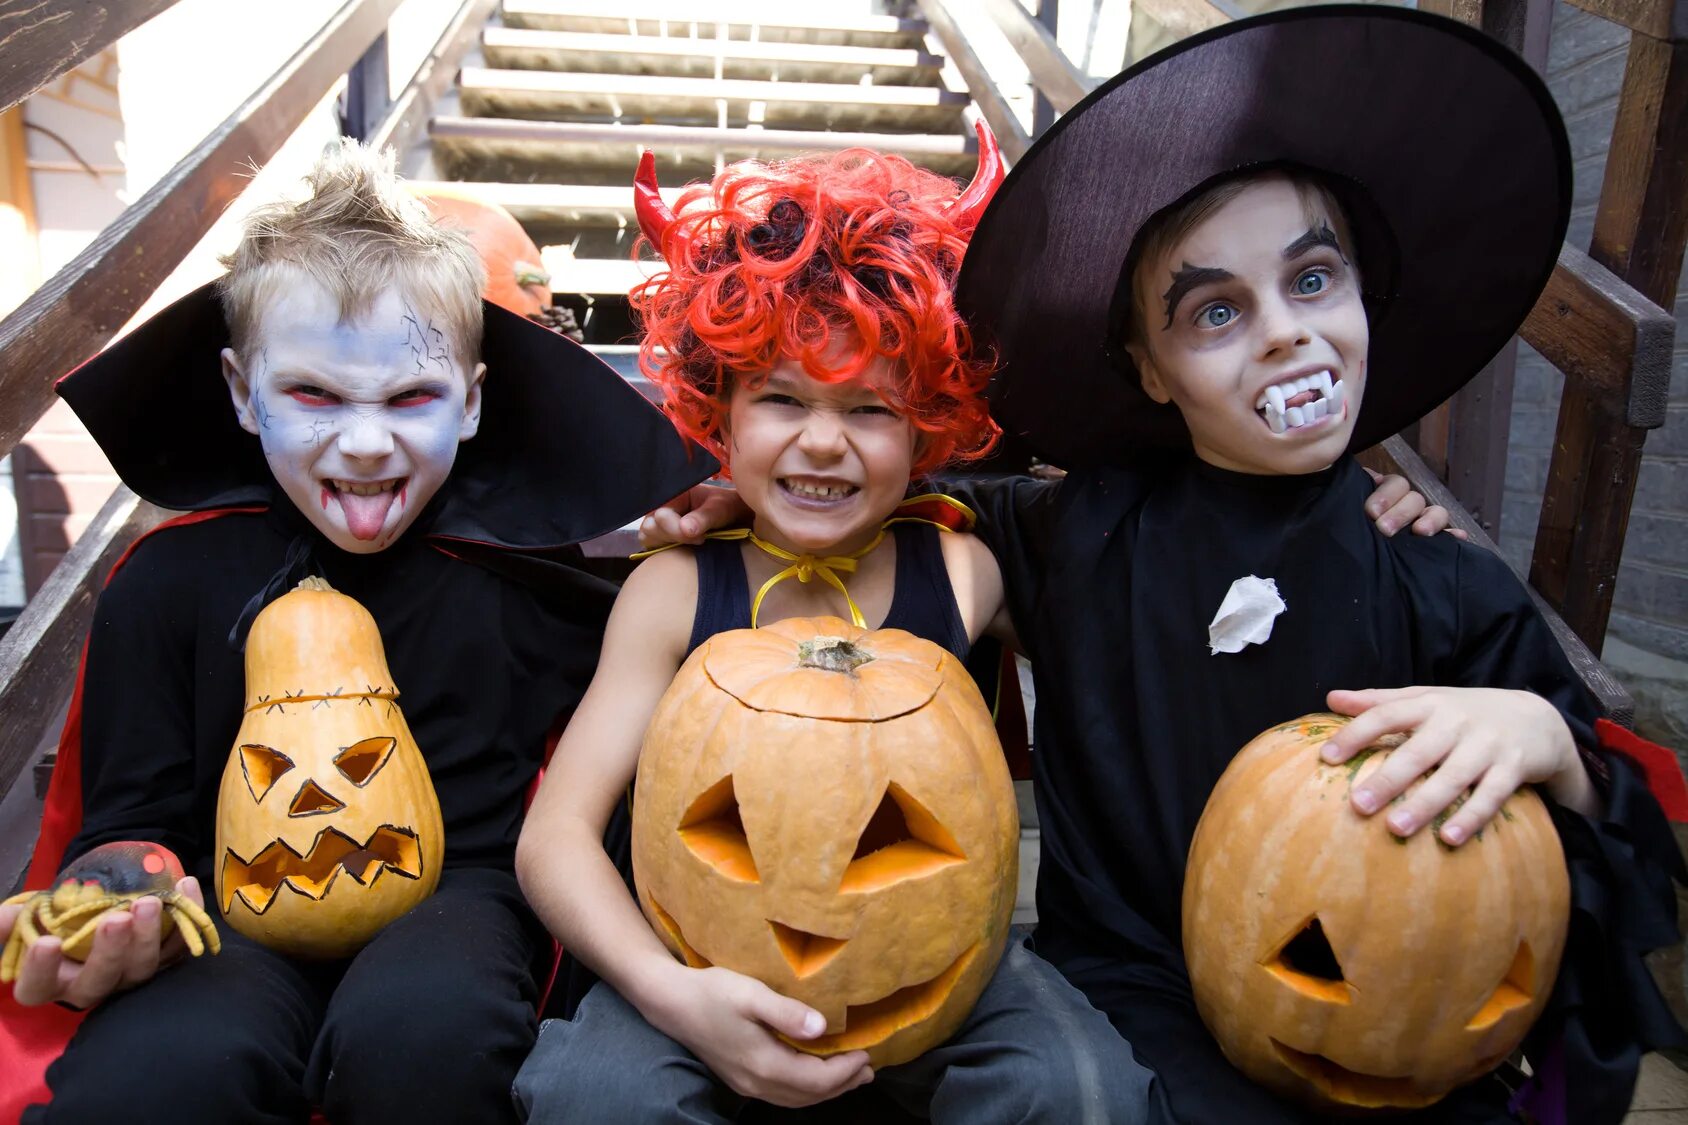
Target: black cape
[(1112, 578)]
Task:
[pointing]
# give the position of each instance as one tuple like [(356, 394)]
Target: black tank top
[(923, 602)]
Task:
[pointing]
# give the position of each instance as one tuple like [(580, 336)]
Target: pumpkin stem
[(314, 582), (831, 654)]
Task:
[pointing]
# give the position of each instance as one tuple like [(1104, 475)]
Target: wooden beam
[(1394, 455), (83, 306), (1603, 334), (1052, 72), (1656, 19), (1183, 17), (1010, 137), (41, 39), (406, 120), (38, 654)]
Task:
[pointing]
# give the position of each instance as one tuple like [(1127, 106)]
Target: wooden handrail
[(1052, 72), (1010, 137), (1657, 19), (83, 306), (41, 39), (406, 120), (38, 655)]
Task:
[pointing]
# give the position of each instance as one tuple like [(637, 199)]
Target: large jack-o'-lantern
[(827, 809), (328, 826), (1346, 967)]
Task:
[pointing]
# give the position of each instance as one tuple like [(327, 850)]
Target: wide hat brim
[(1445, 147), (566, 449)]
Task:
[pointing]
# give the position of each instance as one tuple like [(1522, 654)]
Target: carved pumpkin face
[(827, 809), (327, 823), (1345, 967)]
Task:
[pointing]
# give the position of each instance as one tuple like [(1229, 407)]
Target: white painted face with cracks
[(359, 419)]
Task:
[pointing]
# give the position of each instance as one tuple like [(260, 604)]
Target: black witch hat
[(566, 450), (1444, 148)]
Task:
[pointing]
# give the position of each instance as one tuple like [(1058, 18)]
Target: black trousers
[(428, 1023)]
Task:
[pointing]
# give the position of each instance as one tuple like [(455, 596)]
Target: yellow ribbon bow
[(806, 567)]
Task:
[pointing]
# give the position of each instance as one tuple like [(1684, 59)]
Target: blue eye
[(1218, 315), (1311, 282)]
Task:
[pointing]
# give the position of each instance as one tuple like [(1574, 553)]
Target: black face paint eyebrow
[(1186, 278), (1320, 235)]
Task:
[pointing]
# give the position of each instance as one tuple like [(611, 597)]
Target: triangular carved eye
[(714, 832), (312, 800), (363, 760), (1516, 991), (262, 766), (1307, 963), (902, 840)]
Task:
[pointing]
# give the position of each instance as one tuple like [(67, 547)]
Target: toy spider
[(110, 877)]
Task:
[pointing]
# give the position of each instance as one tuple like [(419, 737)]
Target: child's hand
[(729, 1021), (684, 519), (127, 951), (1487, 738), (1394, 505)]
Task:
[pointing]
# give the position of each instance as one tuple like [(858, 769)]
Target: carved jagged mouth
[(866, 1025), (1350, 1087), (258, 880)]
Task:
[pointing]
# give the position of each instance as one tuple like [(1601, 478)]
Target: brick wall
[(1585, 71)]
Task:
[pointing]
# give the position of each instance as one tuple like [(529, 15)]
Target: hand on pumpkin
[(1394, 505), (684, 519), (127, 951), (1483, 741), (733, 1022), (705, 507)]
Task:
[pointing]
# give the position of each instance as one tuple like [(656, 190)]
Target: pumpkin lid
[(826, 668), (315, 643)]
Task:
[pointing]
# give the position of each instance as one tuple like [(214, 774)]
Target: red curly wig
[(829, 260)]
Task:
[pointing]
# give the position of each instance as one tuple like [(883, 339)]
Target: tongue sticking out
[(365, 515)]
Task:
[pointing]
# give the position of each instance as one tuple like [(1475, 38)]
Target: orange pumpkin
[(328, 826), (515, 278), (1346, 967), (827, 809)]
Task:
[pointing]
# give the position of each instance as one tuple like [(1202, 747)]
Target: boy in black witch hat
[(351, 337), (1278, 242)]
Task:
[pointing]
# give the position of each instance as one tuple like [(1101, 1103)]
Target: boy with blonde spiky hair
[(438, 460)]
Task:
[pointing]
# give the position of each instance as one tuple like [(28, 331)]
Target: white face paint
[(359, 420)]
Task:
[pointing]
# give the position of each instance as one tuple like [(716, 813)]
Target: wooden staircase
[(555, 99)]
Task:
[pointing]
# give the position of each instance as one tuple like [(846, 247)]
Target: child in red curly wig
[(805, 332)]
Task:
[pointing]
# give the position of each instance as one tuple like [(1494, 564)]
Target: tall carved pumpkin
[(827, 809), (327, 823), (1346, 967), (515, 277)]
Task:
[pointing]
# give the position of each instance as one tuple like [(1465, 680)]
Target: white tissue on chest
[(1245, 616)]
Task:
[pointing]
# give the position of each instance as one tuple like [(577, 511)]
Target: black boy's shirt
[(488, 655), (1112, 579)]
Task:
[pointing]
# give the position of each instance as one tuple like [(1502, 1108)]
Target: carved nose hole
[(1515, 991), (901, 840), (806, 953), (1307, 963), (262, 766), (312, 800), (714, 831)]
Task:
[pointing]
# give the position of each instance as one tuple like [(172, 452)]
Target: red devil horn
[(654, 216), (970, 205)]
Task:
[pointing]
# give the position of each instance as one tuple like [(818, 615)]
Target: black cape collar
[(567, 450)]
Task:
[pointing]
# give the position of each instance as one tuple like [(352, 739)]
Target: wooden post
[(1640, 232), (368, 93), (1043, 111)]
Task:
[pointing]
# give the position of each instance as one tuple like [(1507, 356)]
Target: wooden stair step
[(518, 48), (768, 22), (489, 148), (554, 205), (550, 95)]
